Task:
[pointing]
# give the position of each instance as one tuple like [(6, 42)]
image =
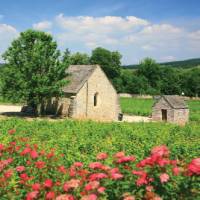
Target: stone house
[(88, 95), (170, 108)]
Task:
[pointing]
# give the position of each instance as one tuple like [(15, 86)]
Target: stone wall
[(57, 106), (107, 108), (181, 116)]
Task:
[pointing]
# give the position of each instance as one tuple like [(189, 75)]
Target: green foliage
[(186, 64), (109, 61), (33, 72), (81, 141), (80, 59)]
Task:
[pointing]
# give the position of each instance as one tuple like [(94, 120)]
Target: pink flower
[(50, 195), (78, 164), (32, 195), (129, 198), (65, 197), (114, 170), (149, 188), (119, 154), (33, 154), (102, 156), (20, 168), (97, 176), (48, 183), (73, 183), (25, 151), (160, 151), (164, 178), (126, 159), (116, 176), (101, 189), (95, 165), (89, 197), (175, 171), (36, 186), (194, 167)]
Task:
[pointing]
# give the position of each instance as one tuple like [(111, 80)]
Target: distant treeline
[(148, 77), (190, 63)]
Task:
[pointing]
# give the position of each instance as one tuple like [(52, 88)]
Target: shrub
[(29, 172)]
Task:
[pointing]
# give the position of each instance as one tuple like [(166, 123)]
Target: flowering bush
[(29, 172)]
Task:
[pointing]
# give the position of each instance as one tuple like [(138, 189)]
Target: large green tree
[(34, 71), (152, 72), (108, 60), (79, 59)]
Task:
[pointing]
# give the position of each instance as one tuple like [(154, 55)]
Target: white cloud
[(43, 25), (7, 34)]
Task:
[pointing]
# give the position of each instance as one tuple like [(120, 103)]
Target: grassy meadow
[(143, 107)]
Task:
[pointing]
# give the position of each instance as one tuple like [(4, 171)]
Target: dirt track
[(9, 108), (126, 118)]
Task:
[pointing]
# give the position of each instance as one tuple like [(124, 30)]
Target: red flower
[(33, 154), (8, 173), (92, 185), (36, 186), (32, 195), (12, 131), (62, 169), (194, 167), (50, 155), (48, 183), (50, 195), (24, 177), (102, 156), (95, 165), (20, 168), (40, 164), (1, 147), (164, 178), (126, 159)]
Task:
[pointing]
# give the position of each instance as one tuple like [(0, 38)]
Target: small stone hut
[(170, 108), (88, 95)]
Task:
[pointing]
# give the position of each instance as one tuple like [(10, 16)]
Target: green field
[(143, 107), (81, 141)]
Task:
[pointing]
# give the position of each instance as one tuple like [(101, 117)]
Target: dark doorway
[(164, 115)]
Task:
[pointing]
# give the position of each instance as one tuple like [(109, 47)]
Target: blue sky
[(163, 29)]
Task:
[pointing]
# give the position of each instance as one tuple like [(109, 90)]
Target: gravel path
[(134, 118), (9, 108)]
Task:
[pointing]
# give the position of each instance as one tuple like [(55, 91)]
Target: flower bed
[(29, 172)]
